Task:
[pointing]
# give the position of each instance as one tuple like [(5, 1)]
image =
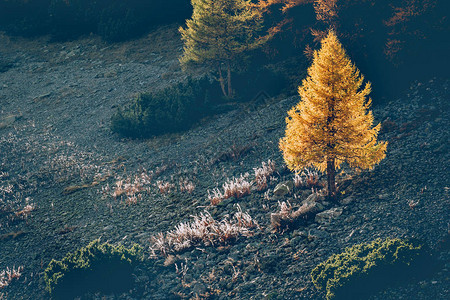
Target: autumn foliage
[(332, 123)]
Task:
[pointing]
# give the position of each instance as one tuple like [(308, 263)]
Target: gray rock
[(199, 289), (9, 120), (384, 196), (347, 201), (283, 188), (290, 185), (313, 198), (305, 193), (350, 219), (109, 227), (328, 215), (314, 234)]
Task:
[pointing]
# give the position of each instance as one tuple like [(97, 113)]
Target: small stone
[(383, 196), (42, 97), (109, 227), (314, 234), (305, 194), (282, 189), (295, 241), (347, 201), (350, 219), (290, 184), (313, 198), (328, 215), (269, 263), (7, 121), (142, 235), (199, 289)]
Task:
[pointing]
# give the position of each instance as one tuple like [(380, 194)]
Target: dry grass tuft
[(204, 230), (164, 187), (307, 179), (26, 211), (263, 174), (8, 275), (287, 216), (129, 190), (186, 186), (235, 187)]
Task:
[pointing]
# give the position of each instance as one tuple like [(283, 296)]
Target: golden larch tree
[(332, 122), (219, 33)]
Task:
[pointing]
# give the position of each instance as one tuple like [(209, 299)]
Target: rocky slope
[(57, 154)]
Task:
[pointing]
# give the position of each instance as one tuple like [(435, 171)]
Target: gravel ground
[(58, 154)]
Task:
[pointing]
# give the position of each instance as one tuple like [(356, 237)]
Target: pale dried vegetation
[(287, 216), (131, 189), (26, 211), (164, 187), (235, 187), (186, 186), (285, 209), (8, 275), (11, 202), (308, 178), (241, 186), (263, 174), (204, 230)]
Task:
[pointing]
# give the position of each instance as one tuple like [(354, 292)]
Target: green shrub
[(96, 267), (364, 268), (173, 109)]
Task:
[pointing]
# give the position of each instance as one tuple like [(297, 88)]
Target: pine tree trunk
[(230, 90), (331, 178), (221, 81)]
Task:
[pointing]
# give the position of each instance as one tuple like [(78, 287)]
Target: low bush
[(173, 109), (204, 230), (364, 268), (96, 267)]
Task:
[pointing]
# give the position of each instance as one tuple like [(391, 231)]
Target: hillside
[(57, 153)]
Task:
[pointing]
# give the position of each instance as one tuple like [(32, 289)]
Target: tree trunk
[(221, 81), (331, 174), (230, 90)]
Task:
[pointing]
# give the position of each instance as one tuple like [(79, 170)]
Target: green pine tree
[(219, 33)]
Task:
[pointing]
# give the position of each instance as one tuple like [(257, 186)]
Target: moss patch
[(365, 268), (96, 267)]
